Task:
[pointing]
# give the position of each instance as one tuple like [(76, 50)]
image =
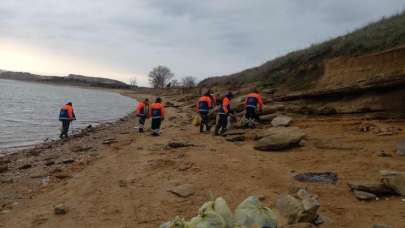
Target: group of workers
[(207, 105), (207, 102)]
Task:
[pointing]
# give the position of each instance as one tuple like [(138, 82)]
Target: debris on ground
[(321, 177), (60, 209), (174, 145)]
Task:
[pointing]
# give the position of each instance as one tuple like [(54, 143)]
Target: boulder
[(318, 177), (296, 211), (233, 132), (235, 138), (281, 121), (376, 188), (401, 148), (268, 117), (360, 195), (182, 191), (283, 138), (394, 180)]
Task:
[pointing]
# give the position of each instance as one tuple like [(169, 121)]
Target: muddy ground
[(111, 176)]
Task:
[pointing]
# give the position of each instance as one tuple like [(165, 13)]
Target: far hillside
[(71, 79), (364, 69)]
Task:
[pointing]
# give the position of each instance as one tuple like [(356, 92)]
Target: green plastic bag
[(220, 207), (175, 223), (207, 219), (251, 213)]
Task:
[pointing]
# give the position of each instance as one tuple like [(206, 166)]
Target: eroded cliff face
[(367, 83)]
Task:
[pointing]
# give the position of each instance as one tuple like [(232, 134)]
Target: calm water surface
[(29, 111)]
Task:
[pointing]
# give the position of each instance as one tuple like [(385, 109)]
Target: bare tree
[(133, 82), (160, 76), (174, 83), (189, 82)]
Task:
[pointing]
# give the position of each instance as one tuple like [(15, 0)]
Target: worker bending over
[(157, 113), (223, 114), (254, 103)]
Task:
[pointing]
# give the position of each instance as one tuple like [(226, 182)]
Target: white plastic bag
[(251, 213)]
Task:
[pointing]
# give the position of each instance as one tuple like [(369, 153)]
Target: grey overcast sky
[(126, 38)]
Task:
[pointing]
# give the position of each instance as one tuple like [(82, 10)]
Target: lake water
[(29, 111)]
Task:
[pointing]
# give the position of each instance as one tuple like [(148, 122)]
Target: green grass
[(298, 69)]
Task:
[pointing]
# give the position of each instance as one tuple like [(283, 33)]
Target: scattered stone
[(296, 211), (383, 154), (394, 180), (3, 168), (360, 195), (233, 132), (235, 138), (376, 188), (280, 138), (26, 166), (281, 121), (401, 148), (62, 176), (68, 161), (109, 141), (123, 183), (268, 117), (81, 148), (60, 209), (174, 145), (49, 163), (182, 191), (324, 177)]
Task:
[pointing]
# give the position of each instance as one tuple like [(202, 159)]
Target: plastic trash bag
[(208, 218), (175, 223), (196, 120), (251, 213), (220, 207)]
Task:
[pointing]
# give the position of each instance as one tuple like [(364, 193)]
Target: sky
[(125, 39)]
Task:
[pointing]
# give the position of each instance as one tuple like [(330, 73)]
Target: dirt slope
[(128, 186)]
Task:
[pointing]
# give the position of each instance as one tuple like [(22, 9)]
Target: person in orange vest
[(157, 113), (66, 116), (223, 114), (254, 103), (203, 107), (142, 112)]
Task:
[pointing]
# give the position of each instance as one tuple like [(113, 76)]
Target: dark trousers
[(251, 116), (204, 121), (65, 129), (142, 120), (156, 126), (222, 123)]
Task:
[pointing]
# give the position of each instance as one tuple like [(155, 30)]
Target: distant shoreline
[(78, 131)]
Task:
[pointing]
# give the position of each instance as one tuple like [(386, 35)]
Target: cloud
[(123, 38)]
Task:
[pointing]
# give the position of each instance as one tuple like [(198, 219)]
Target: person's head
[(146, 101), (158, 100), (229, 95), (255, 90), (70, 104), (207, 93)]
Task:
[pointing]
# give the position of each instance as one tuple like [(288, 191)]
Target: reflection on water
[(29, 111)]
